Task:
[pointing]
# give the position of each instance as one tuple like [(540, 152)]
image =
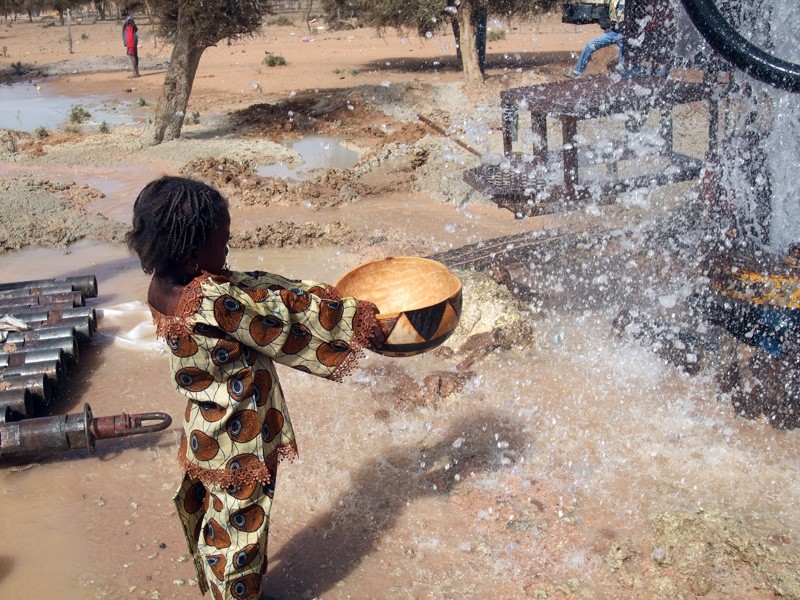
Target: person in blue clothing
[(612, 34)]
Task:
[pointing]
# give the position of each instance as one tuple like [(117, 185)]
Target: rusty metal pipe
[(19, 359), (54, 316), (66, 300), (16, 308), (24, 292), (52, 370), (37, 384), (82, 327), (68, 345), (18, 401), (84, 283), (45, 333), (34, 437)]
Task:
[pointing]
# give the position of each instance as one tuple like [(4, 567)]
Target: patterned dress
[(228, 333)]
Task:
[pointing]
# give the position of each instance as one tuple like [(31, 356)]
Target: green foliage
[(8, 139), (41, 132), (494, 35), (209, 21), (104, 128), (78, 114), (273, 60), (282, 20), (426, 15), (343, 72)]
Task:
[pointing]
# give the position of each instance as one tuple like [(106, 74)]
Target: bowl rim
[(391, 315)]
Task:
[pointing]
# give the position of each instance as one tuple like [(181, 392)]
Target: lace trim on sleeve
[(364, 324), (176, 326), (330, 293)]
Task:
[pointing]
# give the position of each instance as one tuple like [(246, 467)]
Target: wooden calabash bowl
[(419, 300)]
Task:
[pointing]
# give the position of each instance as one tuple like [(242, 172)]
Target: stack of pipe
[(34, 362), (49, 321)]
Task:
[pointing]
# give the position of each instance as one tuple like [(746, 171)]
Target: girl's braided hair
[(171, 217)]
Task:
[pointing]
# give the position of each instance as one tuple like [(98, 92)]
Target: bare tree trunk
[(469, 53), (69, 29), (308, 14), (178, 81), (457, 36)]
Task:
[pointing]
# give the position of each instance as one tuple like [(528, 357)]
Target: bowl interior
[(400, 283)]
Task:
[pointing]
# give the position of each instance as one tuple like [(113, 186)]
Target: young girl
[(225, 330)]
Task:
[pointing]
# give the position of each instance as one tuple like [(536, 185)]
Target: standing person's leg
[(592, 46), (135, 62), (620, 60), (233, 539)]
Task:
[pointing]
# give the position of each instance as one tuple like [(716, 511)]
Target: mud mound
[(345, 114), (286, 234), (40, 213), (236, 180)]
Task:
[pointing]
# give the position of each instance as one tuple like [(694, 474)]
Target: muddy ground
[(555, 500)]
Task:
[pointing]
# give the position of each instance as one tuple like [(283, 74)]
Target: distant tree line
[(97, 9)]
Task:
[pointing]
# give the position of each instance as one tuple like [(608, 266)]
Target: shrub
[(494, 35), (41, 132), (104, 128), (273, 60), (281, 20), (78, 114)]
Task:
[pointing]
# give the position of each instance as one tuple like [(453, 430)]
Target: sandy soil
[(597, 471)]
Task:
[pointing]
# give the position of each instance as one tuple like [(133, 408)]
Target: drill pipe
[(37, 384), (42, 314), (84, 283), (64, 300), (18, 401), (50, 369), (34, 437), (16, 359), (45, 333), (67, 345), (24, 292), (82, 327), (15, 308)]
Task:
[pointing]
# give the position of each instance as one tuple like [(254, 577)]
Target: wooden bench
[(521, 182)]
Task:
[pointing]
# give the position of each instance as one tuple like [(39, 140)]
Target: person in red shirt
[(130, 37)]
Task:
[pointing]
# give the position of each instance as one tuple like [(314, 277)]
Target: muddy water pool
[(29, 106), (548, 460)]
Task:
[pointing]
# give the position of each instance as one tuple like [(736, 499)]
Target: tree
[(192, 26), (467, 18)]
